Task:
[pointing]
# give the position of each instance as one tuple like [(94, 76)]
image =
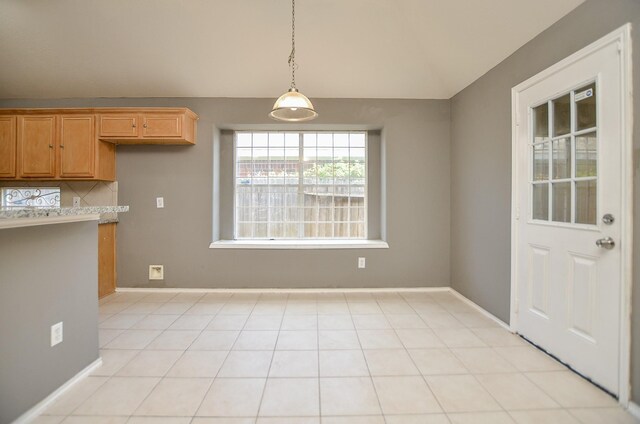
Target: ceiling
[(239, 48)]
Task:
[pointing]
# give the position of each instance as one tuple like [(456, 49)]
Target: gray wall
[(481, 159), (415, 137), (49, 274)]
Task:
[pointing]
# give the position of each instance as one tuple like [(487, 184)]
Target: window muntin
[(300, 185), (564, 166)]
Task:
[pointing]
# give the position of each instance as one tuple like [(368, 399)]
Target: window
[(300, 185), (565, 158)]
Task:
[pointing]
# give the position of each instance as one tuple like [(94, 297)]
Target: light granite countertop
[(18, 217)]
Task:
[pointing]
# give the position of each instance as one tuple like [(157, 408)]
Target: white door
[(568, 212)]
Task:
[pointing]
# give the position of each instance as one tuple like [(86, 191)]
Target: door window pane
[(561, 115), (586, 201), (541, 161), (541, 122), (561, 202), (541, 201), (561, 158), (586, 107), (586, 155)]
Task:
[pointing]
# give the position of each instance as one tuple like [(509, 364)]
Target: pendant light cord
[(292, 56)]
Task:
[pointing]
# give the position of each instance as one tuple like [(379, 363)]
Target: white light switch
[(362, 262), (56, 333), (160, 202)]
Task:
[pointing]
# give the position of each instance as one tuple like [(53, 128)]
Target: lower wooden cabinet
[(106, 259)]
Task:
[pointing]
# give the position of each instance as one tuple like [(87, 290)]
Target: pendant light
[(293, 106)]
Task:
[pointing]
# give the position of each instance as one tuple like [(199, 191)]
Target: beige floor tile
[(187, 297), (370, 419), (133, 339), (78, 393), (333, 308), (419, 339), (475, 320), (113, 360), (175, 397), (298, 340), (409, 321), (95, 420), (290, 397), (288, 420), (371, 322), (160, 297), (570, 390), (390, 362), (603, 415), (299, 322), (338, 339), (301, 308), (174, 340), (246, 363), (228, 322), (204, 309), (301, 363), (498, 337), (437, 362), (233, 397), (348, 396), (106, 336), (335, 322), (150, 363), (256, 340), (342, 363), (44, 419), (358, 308), (481, 418), (118, 396), (199, 420), (198, 363), (405, 395), (480, 360), (379, 339), (159, 420), (263, 322), (439, 319), (529, 358), (515, 391), (557, 416), (114, 307), (173, 308), (215, 298), (191, 322), (461, 393), (215, 340), (269, 308), (459, 338), (155, 322), (121, 321), (417, 419), (142, 308), (396, 308)]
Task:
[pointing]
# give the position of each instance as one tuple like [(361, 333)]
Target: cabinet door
[(161, 126), (36, 146), (106, 259), (77, 146), (119, 126), (8, 149)]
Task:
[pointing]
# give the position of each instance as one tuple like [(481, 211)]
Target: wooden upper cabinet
[(77, 146), (36, 146), (149, 126), (119, 125), (8, 146)]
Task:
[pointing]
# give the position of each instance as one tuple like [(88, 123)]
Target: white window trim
[(300, 244)]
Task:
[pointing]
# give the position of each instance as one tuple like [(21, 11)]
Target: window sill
[(299, 244)]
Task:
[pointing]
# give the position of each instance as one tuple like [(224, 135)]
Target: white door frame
[(622, 37)]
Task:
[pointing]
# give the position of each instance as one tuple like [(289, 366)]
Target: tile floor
[(336, 358)]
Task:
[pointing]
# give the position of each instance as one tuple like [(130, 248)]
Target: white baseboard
[(634, 409), (282, 290), (481, 310), (35, 411)]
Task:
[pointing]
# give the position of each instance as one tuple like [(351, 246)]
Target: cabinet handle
[(62, 146), (51, 146), (144, 125), (133, 125)]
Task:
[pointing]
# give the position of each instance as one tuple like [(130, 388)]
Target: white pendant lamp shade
[(293, 106)]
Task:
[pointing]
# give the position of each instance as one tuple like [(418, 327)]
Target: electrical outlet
[(160, 202), (76, 202), (156, 272), (362, 262), (56, 333)]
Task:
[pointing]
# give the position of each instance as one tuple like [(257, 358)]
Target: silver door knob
[(606, 243)]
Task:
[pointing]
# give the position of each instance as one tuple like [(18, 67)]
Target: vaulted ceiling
[(239, 48)]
